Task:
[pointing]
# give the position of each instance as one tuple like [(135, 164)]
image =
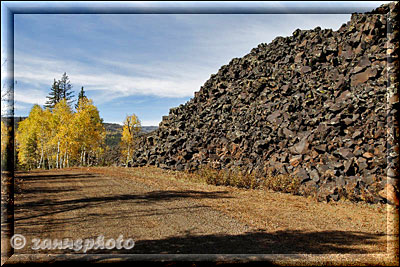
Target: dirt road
[(163, 212)]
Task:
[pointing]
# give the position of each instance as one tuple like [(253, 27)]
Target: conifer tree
[(54, 95), (81, 96), (65, 88)]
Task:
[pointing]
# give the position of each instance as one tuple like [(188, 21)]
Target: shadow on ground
[(41, 195), (35, 204), (279, 242)]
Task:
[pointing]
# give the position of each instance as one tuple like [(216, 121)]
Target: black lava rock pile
[(319, 105)]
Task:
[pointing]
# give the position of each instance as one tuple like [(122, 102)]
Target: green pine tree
[(65, 88), (54, 96), (81, 95)]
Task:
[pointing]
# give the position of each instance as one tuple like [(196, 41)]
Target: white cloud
[(30, 96), (19, 107), (150, 122), (214, 44), (216, 40), (108, 84)]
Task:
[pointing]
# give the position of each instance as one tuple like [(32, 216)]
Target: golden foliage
[(4, 138), (130, 132), (59, 137)]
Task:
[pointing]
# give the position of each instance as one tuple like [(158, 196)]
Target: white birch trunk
[(41, 159), (58, 154), (127, 158), (65, 159)]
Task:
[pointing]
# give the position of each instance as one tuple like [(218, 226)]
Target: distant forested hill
[(114, 132)]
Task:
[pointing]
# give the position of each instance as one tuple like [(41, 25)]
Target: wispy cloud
[(210, 46), (40, 72), (131, 57), (30, 96)]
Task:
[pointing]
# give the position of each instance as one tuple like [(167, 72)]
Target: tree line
[(59, 136)]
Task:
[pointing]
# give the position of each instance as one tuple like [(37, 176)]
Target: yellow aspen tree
[(41, 123), (46, 133), (89, 132), (130, 132), (62, 118), (60, 136), (27, 139), (4, 139)]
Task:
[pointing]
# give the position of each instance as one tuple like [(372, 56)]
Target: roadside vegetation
[(65, 133), (242, 179)]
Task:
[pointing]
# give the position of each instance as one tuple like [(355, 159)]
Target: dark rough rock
[(317, 105)]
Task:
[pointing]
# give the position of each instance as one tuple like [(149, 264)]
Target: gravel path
[(75, 205), (165, 213)]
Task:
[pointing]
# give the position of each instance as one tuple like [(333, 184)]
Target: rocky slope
[(316, 105)]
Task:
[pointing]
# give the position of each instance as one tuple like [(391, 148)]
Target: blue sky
[(139, 63)]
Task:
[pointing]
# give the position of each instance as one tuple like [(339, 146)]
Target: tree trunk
[(58, 154), (127, 158), (84, 157), (65, 159), (41, 159)]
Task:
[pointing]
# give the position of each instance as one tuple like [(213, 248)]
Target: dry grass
[(282, 183), (275, 212), (272, 211), (276, 182), (267, 208), (241, 179), (235, 177)]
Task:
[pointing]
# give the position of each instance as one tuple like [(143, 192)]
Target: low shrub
[(282, 183), (251, 180), (234, 177)]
